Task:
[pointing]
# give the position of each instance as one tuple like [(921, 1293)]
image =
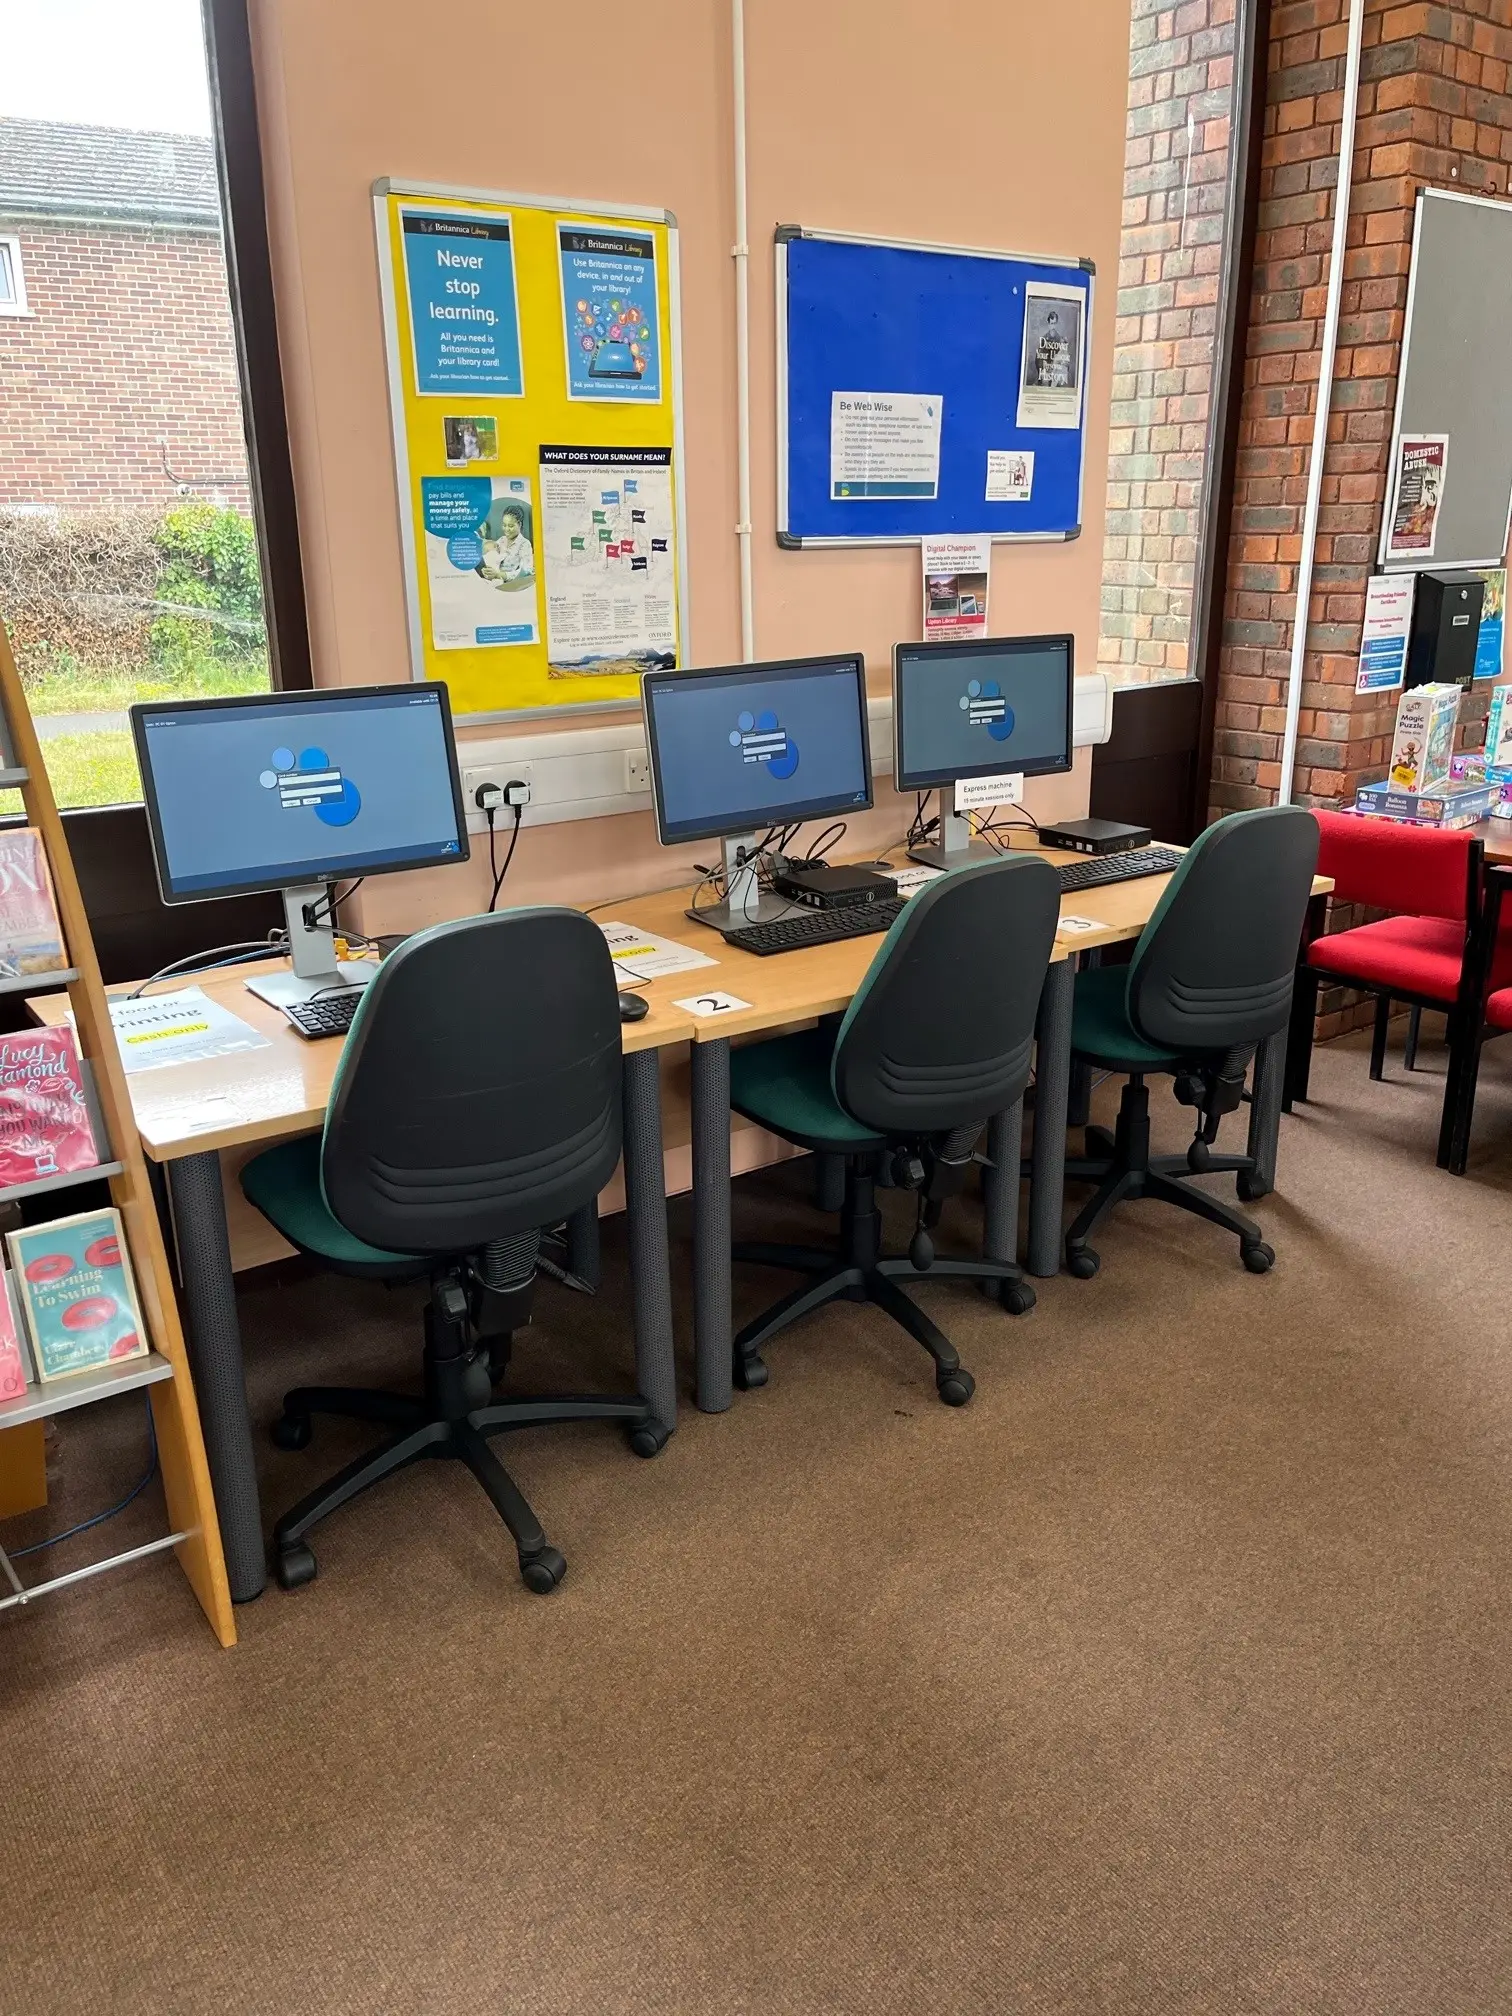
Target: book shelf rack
[(195, 1536)]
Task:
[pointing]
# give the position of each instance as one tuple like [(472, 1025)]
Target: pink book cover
[(13, 1380), (44, 1121), (31, 939)]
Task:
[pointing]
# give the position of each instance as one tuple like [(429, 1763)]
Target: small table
[(186, 1113)]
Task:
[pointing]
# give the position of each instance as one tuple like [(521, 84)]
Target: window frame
[(249, 281), (18, 303)]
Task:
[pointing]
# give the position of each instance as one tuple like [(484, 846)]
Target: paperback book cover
[(31, 938), (14, 1378), (75, 1285), (44, 1118)]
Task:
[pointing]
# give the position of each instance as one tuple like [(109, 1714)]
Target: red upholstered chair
[(1423, 953), (1494, 1018)]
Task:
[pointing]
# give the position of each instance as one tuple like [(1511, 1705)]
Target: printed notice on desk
[(642, 955), (153, 1030)]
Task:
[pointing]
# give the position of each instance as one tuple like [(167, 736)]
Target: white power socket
[(637, 770), (474, 776)]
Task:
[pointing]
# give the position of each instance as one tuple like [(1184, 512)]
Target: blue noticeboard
[(922, 324)]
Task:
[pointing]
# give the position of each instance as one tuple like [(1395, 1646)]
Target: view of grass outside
[(109, 607)]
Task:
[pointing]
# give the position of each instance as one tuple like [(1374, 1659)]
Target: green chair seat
[(784, 1085), (1100, 1027), (284, 1184)]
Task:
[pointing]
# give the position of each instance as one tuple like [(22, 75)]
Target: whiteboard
[(1454, 374)]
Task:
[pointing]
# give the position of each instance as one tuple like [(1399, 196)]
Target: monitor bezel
[(730, 826), (980, 647), (141, 710)]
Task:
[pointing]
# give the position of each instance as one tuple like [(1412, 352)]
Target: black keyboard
[(327, 1014), (816, 927), (1100, 868)]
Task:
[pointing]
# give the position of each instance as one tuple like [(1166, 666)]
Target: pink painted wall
[(975, 123)]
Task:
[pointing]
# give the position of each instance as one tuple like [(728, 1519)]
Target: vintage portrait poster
[(1054, 358)]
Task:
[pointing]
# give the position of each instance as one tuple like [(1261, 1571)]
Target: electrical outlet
[(637, 770), (477, 774)]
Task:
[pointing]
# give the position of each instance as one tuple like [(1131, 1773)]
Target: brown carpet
[(1172, 1675)]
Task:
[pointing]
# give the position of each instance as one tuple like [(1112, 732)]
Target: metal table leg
[(646, 1223), (712, 1326), (1000, 1184), (1265, 1115), (584, 1247), (1052, 1086), (214, 1336)]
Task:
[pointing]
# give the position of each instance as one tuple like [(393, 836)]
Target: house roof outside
[(51, 169)]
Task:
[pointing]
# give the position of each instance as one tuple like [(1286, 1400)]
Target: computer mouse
[(634, 1007)]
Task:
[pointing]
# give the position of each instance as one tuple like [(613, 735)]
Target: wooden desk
[(187, 1113), (796, 987), (1495, 835)]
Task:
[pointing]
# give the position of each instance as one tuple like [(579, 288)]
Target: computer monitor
[(979, 709), (740, 748), (294, 791)]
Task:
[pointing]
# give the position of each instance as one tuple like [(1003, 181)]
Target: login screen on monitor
[(977, 711), (275, 793), (759, 747)]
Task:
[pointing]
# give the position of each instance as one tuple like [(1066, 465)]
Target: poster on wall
[(480, 561), (884, 445), (610, 560), (1383, 643), (1010, 475), (609, 313), (479, 292), (464, 315), (1422, 470), (1054, 356), (1491, 642), (956, 571)]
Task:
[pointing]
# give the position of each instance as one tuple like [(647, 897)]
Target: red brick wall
[(129, 344), (1434, 109), (1180, 91)]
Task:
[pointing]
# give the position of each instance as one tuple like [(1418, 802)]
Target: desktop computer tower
[(1446, 614)]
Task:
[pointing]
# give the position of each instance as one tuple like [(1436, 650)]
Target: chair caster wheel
[(1257, 1256), (1082, 1262), (955, 1388), (1018, 1298), (292, 1431), (649, 1438), (294, 1565), (1248, 1188), (751, 1373), (542, 1572)]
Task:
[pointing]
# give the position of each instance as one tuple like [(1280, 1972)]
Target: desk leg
[(1265, 1116), (646, 1223), (1000, 1185), (713, 1333), (584, 1257), (214, 1335), (1052, 1087)]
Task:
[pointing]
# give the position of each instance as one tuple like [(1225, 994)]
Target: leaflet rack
[(195, 1536)]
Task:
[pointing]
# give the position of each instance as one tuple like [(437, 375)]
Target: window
[(130, 554), (12, 279)]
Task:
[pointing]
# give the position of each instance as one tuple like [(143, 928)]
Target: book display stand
[(194, 1536)]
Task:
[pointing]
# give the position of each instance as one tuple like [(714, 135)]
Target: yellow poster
[(534, 383)]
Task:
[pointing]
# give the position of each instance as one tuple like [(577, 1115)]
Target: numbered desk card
[(712, 1004), (1072, 927)]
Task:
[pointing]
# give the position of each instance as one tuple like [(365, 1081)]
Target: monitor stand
[(312, 954), (745, 901), (955, 847)]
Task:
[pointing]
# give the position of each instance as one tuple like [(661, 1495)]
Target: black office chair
[(1210, 979), (937, 1040), (477, 1100)]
